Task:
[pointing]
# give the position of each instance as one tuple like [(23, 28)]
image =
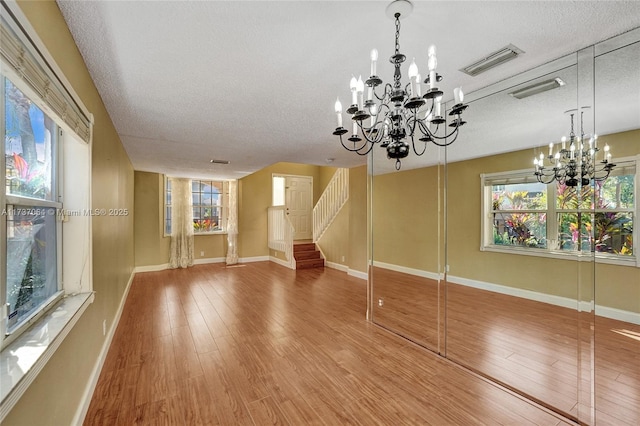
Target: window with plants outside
[(523, 214), (209, 213)]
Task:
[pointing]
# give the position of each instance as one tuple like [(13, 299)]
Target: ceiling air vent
[(494, 59), (214, 161), (539, 87)]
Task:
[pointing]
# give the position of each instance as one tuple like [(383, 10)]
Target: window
[(30, 206), (209, 209), (523, 214)]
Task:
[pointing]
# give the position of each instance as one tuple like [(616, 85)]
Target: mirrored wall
[(533, 285)]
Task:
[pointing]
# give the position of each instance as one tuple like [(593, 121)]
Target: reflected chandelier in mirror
[(575, 164), (401, 111)]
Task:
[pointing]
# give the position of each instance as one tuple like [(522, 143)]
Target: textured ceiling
[(254, 82)]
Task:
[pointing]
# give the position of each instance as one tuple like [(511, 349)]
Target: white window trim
[(22, 358), (224, 207), (486, 230)]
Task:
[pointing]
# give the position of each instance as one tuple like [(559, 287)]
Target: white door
[(298, 201)]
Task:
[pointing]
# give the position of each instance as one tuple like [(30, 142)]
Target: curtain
[(181, 224), (232, 223)]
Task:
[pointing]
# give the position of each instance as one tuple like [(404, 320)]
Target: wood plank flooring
[(260, 344), (527, 345)]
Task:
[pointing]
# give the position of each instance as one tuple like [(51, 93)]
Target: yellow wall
[(56, 394), (254, 198), (405, 232), (551, 276), (406, 218), (358, 256), (151, 246)]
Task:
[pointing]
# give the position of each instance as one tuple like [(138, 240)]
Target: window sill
[(23, 359), (580, 257)]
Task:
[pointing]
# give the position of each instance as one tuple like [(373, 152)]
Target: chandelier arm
[(356, 150), (446, 136), (365, 130), (455, 134), (415, 151)]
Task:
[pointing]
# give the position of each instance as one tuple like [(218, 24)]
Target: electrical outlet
[(381, 302), (104, 327), (202, 254), (342, 259)]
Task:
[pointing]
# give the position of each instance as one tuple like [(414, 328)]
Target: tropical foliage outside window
[(208, 207), (596, 218)]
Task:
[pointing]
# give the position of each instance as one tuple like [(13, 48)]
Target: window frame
[(552, 212), (223, 206)]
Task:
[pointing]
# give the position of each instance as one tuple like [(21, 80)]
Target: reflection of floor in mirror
[(406, 304), (532, 346)]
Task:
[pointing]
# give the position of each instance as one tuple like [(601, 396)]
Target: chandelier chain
[(397, 74)]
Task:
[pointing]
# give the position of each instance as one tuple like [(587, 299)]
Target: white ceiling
[(254, 82)]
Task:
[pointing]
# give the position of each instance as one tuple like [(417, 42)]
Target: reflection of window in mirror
[(278, 191)]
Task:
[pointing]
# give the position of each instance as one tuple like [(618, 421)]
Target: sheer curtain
[(232, 223), (181, 224)]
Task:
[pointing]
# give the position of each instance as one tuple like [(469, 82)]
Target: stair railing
[(280, 233), (331, 201)]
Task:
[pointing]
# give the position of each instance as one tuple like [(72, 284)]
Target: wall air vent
[(539, 87), (214, 161), (494, 59)]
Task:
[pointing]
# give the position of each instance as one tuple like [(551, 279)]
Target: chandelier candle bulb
[(413, 73), (360, 92), (432, 63), (551, 150), (564, 142), (374, 61), (338, 109), (458, 95), (573, 151), (438, 99), (418, 87), (557, 160), (353, 84), (355, 129)]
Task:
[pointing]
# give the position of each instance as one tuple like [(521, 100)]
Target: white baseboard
[(205, 261), (565, 302), (81, 413), (410, 271), (253, 259), (338, 266), (201, 261), (281, 262), (358, 274), (151, 268)]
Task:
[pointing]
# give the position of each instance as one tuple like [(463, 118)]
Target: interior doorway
[(295, 193)]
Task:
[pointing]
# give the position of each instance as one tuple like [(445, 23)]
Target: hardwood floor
[(260, 344), (527, 345)]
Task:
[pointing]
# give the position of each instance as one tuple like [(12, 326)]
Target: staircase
[(307, 256)]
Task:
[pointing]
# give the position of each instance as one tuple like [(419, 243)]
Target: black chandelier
[(574, 163), (399, 112)]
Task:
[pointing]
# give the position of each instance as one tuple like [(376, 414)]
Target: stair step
[(309, 263), (304, 247), (305, 255)]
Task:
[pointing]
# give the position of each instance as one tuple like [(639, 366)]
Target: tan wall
[(358, 226), (254, 198), (406, 219), (552, 276), (405, 232), (56, 394), (151, 246)]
